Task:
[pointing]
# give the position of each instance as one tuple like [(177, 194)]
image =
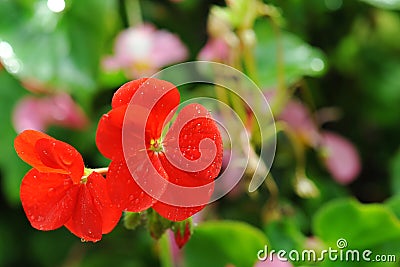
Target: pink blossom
[(39, 113), (299, 118), (143, 50), (216, 49), (342, 159)]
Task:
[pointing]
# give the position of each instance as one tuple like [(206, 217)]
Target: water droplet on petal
[(50, 191)]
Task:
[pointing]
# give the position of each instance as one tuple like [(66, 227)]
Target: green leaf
[(284, 234), (371, 227), (362, 225), (395, 174), (222, 243), (12, 167), (64, 49), (386, 4), (393, 203), (300, 59)]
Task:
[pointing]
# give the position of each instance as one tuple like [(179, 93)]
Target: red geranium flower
[(59, 191), (192, 125)]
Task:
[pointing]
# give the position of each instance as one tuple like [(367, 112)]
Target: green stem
[(297, 146), (166, 258), (133, 12), (247, 39), (100, 170), (281, 93)]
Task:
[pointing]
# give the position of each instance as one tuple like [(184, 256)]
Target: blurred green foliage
[(347, 54)]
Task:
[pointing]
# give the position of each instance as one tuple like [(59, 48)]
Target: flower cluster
[(60, 191)]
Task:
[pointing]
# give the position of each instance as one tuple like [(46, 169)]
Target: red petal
[(193, 139), (165, 107), (48, 199), (47, 154), (124, 94), (174, 213), (131, 108), (181, 145), (109, 133), (24, 145), (109, 213), (60, 156), (86, 221), (123, 189)]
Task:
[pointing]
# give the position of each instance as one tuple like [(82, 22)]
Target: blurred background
[(330, 69)]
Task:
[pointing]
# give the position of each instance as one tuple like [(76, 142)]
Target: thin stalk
[(133, 12)]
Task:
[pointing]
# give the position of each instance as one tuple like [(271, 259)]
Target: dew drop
[(50, 191)]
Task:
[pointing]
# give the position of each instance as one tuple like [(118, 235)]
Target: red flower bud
[(182, 232)]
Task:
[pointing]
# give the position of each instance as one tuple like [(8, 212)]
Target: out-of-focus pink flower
[(216, 49), (39, 113), (342, 159), (143, 50), (299, 118), (275, 262)]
